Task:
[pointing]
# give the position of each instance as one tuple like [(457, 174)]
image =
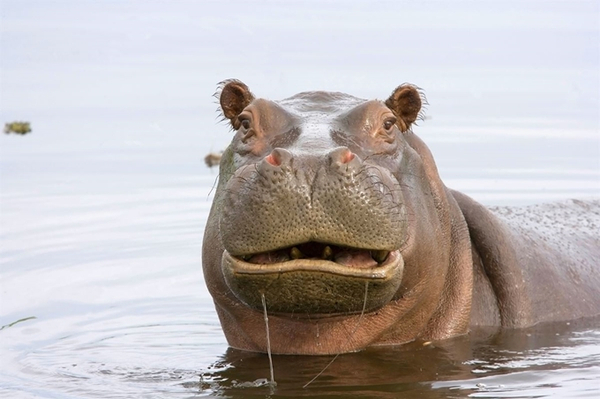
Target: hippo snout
[(288, 199), (312, 233)]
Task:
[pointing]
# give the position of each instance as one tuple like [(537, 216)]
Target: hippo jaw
[(314, 287)]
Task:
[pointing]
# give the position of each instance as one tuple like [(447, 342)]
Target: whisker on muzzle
[(264, 303)]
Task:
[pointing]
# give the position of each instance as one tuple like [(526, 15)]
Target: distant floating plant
[(213, 159), (17, 127)]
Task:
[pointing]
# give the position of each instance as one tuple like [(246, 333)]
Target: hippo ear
[(405, 102), (235, 96)]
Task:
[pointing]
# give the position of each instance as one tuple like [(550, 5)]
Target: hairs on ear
[(408, 103), (233, 96)]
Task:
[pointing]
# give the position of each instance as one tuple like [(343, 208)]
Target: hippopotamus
[(331, 231)]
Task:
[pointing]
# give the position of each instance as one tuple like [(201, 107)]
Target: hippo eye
[(246, 126), (389, 123), (245, 123)]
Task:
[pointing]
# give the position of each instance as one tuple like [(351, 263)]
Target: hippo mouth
[(313, 279), (345, 256)]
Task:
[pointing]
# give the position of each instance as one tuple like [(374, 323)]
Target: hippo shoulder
[(570, 228), (540, 261)]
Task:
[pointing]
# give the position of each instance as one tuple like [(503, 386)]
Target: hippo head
[(329, 213)]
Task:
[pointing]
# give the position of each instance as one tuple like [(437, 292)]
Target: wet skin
[(331, 208)]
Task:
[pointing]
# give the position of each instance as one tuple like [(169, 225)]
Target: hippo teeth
[(380, 256), (351, 257), (295, 253), (327, 253)]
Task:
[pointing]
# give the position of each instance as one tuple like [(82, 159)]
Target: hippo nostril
[(347, 156), (278, 157), (341, 156), (273, 159)]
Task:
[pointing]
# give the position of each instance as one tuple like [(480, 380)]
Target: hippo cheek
[(313, 287)]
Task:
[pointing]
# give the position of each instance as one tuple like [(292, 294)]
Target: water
[(103, 205)]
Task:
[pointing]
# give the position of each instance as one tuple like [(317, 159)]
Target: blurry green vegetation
[(18, 321), (17, 127)]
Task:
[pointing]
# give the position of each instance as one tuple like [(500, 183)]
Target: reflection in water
[(485, 362)]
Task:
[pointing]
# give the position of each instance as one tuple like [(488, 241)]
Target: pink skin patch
[(356, 259), (347, 157), (273, 159)]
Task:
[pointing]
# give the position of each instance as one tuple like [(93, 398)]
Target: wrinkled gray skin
[(331, 211)]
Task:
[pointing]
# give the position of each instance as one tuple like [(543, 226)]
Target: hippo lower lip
[(315, 286)]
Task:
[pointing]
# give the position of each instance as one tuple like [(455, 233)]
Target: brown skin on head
[(332, 209)]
